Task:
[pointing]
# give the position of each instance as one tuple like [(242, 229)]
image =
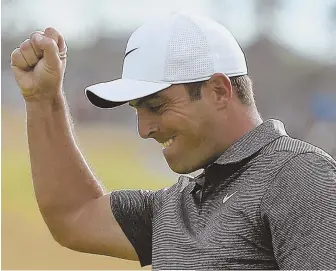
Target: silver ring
[(63, 55)]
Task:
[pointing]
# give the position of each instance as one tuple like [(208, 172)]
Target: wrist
[(54, 103)]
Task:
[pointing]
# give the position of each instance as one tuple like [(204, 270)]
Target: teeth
[(167, 143)]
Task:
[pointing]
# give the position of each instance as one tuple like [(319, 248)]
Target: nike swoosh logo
[(130, 52), (226, 198)]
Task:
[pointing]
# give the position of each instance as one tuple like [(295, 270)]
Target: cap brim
[(121, 91)]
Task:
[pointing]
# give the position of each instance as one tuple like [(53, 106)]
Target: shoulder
[(293, 147), (299, 170), (290, 154), (309, 167), (300, 158), (306, 178)]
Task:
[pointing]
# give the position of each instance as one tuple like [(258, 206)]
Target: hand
[(39, 64)]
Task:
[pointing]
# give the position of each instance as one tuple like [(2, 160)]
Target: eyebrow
[(140, 101)]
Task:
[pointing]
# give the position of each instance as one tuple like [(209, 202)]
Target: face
[(184, 128)]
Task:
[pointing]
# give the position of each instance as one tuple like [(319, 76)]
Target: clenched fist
[(39, 65)]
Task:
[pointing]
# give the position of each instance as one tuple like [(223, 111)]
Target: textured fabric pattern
[(300, 210), (269, 202), (188, 54)]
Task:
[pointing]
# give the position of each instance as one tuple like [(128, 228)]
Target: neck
[(240, 121)]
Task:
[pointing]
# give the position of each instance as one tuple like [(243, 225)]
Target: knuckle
[(35, 32), (15, 54), (25, 45), (51, 43), (33, 42), (51, 32), (15, 51)]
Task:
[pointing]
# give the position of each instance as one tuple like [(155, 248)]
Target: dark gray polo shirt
[(269, 202)]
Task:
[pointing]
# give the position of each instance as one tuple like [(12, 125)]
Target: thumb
[(49, 49)]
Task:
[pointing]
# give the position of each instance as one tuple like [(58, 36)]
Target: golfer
[(264, 200)]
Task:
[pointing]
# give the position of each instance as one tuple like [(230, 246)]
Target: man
[(263, 201)]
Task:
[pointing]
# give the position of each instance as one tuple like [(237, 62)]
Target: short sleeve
[(300, 211), (133, 210)]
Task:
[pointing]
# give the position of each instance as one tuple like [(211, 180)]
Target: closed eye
[(155, 108)]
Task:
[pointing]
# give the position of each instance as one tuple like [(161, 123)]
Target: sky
[(302, 25)]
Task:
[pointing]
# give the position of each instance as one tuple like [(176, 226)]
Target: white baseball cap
[(179, 48)]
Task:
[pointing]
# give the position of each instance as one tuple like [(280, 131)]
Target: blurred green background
[(26, 241), (290, 49)]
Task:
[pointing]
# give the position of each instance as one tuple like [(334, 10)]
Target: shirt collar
[(252, 142), (246, 146)]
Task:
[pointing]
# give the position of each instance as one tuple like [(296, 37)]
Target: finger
[(32, 38), (50, 50), (28, 53), (18, 60), (21, 76), (58, 38)]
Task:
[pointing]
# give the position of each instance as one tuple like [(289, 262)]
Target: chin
[(180, 166), (184, 168)]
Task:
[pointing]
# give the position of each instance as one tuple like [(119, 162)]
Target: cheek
[(193, 127), (179, 120)]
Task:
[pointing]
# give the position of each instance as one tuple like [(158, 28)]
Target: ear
[(220, 90)]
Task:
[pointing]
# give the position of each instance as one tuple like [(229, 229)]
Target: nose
[(147, 124)]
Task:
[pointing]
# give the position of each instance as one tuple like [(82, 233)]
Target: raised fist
[(39, 64)]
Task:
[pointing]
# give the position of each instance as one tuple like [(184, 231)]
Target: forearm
[(62, 180)]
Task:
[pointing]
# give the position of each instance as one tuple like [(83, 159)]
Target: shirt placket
[(202, 210)]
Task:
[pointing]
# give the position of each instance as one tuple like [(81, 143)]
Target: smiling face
[(187, 129)]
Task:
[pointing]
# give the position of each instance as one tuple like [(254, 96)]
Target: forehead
[(163, 95), (139, 101)]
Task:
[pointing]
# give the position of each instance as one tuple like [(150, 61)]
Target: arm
[(72, 202), (300, 210)]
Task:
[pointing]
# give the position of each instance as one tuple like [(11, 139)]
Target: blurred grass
[(26, 241)]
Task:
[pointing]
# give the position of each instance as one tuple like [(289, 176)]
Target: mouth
[(167, 143)]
